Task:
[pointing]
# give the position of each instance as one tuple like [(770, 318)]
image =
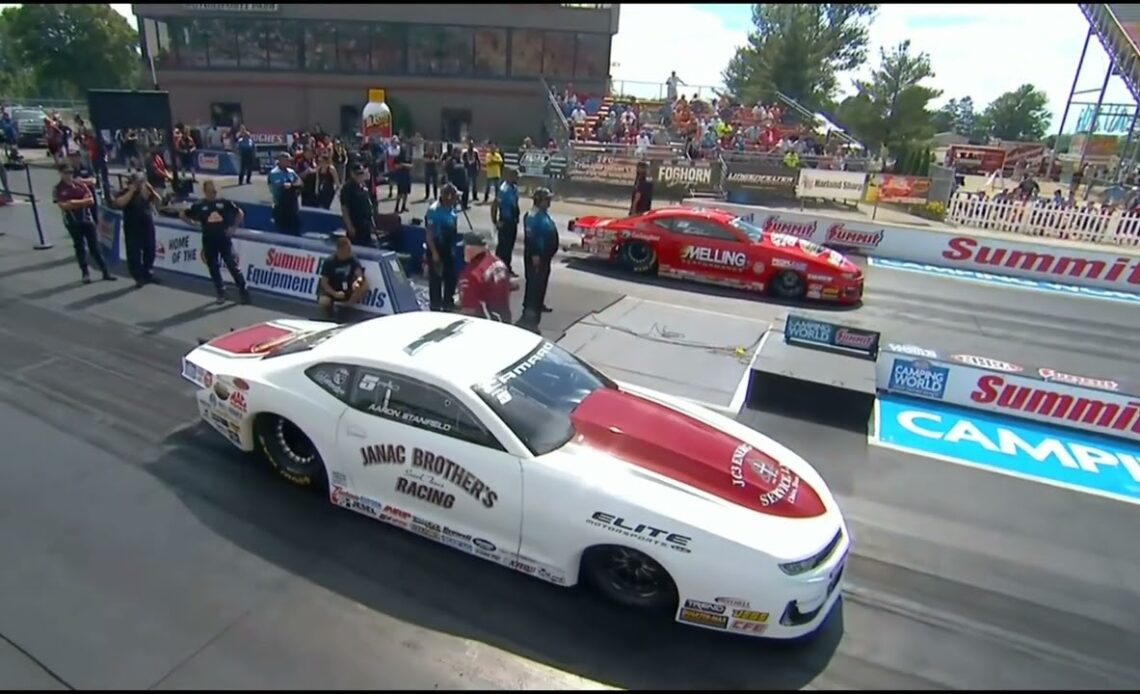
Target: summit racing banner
[(808, 332), (762, 175)]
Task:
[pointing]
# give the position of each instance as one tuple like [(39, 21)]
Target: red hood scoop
[(673, 444), (256, 339)]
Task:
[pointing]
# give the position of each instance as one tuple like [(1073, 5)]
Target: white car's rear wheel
[(630, 578), (290, 451)]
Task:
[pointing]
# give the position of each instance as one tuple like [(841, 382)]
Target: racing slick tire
[(789, 284), (291, 452), (638, 257), (629, 578)]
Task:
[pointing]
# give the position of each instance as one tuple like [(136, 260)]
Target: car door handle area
[(356, 433)]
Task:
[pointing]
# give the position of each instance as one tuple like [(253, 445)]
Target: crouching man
[(342, 279), (485, 283)]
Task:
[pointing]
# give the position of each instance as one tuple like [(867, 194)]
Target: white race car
[(489, 439)]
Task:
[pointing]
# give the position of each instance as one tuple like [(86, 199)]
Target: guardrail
[(1047, 220), (657, 91)]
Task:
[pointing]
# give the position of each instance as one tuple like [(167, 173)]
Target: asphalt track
[(139, 551)]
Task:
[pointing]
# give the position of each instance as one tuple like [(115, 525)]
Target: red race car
[(718, 247)]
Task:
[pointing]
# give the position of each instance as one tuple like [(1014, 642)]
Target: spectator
[(494, 167), (671, 86)]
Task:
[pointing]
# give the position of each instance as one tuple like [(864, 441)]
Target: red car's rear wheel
[(638, 256)]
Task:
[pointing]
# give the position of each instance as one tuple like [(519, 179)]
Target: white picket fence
[(1115, 228)]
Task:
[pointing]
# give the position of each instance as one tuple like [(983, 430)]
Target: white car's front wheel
[(290, 451), (630, 577)]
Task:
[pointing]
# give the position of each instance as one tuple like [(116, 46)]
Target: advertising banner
[(843, 186), (536, 163), (760, 175), (1046, 395), (603, 168), (909, 190), (1058, 267), (808, 332), (683, 173)]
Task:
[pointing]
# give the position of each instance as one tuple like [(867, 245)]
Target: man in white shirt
[(671, 85), (578, 115)]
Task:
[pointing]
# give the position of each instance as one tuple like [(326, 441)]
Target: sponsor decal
[(641, 532), (1047, 403), (555, 577), (1054, 376), (397, 516), (839, 235), (801, 230), (987, 363), (751, 616), (830, 293), (703, 255), (354, 502), (809, 332), (485, 545), (855, 339), (703, 618), (965, 249), (425, 528), (918, 377), (786, 264), (912, 350), (237, 401), (781, 482), (339, 478), (758, 268), (209, 162), (382, 454), (748, 627), (456, 543), (733, 602), (826, 279), (221, 390), (425, 492), (711, 607), (446, 469), (523, 566)]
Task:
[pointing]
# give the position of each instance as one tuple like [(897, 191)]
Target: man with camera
[(505, 217), (137, 201), (442, 225), (218, 219)]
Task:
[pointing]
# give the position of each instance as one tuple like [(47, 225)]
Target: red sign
[(911, 190)]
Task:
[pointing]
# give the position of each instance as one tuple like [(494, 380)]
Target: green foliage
[(890, 109), (961, 116), (61, 51), (1022, 114), (798, 49)]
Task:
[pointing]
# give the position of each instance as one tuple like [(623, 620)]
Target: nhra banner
[(762, 175), (536, 163), (908, 190), (821, 184), (807, 332)]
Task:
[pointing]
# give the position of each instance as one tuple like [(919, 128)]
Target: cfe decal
[(715, 257)]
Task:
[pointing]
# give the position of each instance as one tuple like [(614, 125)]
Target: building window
[(223, 40), (389, 47), (440, 50), (284, 39), (491, 52), (592, 60), (558, 54), (253, 48), (190, 39), (526, 53), (352, 50), (320, 47)]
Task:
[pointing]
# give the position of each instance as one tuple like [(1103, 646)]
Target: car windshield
[(27, 114), (303, 341), (754, 232), (536, 395)]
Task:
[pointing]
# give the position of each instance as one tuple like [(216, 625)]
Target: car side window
[(413, 403), (700, 227), (335, 379)]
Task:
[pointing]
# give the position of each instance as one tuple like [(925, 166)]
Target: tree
[(16, 80), (798, 49), (959, 116), (72, 48), (891, 108), (1022, 115)]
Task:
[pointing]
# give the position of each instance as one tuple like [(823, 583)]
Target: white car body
[(753, 548)]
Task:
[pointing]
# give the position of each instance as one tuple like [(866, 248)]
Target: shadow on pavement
[(414, 580)]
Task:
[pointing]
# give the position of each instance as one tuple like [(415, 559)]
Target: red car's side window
[(702, 228)]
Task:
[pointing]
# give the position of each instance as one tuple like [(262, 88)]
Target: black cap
[(473, 239), (356, 169)]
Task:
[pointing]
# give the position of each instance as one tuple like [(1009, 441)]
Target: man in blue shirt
[(540, 243), (285, 185), (247, 155), (442, 224), (505, 217)]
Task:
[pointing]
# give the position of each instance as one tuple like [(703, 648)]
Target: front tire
[(291, 452), (639, 257), (789, 284), (630, 578)]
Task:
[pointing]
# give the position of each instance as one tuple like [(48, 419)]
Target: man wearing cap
[(342, 279), (77, 202), (356, 209), (540, 243), (484, 284), (505, 217), (285, 185), (442, 225)]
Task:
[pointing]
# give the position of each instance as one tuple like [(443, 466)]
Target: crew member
[(484, 284), (342, 279), (357, 209), (327, 181), (505, 217), (642, 200), (218, 219), (284, 185), (540, 243), (137, 202), (457, 176), (247, 155), (442, 224), (77, 203)]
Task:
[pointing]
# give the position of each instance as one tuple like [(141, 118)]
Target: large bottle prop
[(376, 118)]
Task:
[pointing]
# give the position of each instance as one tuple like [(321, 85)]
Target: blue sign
[(808, 332), (918, 377), (1113, 118), (1085, 463)]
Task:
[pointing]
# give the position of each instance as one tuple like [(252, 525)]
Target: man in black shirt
[(137, 202), (218, 219), (402, 175), (342, 279), (457, 176), (642, 199), (356, 209), (471, 165)]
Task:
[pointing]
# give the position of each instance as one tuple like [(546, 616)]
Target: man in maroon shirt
[(485, 283), (77, 203)]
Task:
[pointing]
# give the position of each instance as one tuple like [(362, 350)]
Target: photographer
[(357, 209), (505, 217), (442, 226), (137, 201), (218, 219), (342, 279)]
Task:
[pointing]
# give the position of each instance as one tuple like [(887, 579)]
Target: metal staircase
[(1108, 23), (814, 119)]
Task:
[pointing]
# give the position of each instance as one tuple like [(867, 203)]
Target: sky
[(976, 50)]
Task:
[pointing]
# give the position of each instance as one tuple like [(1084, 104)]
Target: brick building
[(447, 68)]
